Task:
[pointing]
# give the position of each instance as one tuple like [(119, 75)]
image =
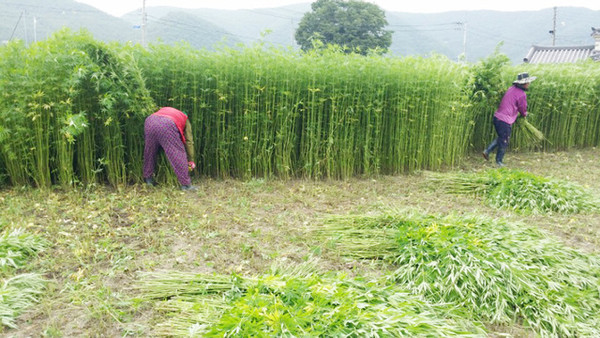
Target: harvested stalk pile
[(298, 302), (497, 272), (18, 291), (518, 190)]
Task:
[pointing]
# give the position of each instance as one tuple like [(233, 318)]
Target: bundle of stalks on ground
[(17, 246), (518, 190), (18, 291), (497, 272), (296, 304)]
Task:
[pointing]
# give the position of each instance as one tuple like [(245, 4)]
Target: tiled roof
[(540, 54)]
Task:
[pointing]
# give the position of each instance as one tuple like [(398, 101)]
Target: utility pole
[(34, 29), (464, 26), (25, 26), (553, 31), (144, 22), (293, 31)]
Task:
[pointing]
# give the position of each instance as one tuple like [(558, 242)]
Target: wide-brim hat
[(524, 78)]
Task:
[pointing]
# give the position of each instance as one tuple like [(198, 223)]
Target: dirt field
[(101, 237)]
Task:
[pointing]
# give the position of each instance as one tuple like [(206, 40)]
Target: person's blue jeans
[(503, 130)]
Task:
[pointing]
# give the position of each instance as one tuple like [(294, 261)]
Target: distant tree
[(355, 25)]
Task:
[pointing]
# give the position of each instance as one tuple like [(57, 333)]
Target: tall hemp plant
[(12, 132), (68, 104)]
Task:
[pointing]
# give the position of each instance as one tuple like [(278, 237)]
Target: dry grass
[(100, 238)]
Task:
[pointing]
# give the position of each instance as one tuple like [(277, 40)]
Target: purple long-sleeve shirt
[(513, 103)]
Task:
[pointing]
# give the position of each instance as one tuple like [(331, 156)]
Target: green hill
[(450, 33), (419, 33), (31, 20)]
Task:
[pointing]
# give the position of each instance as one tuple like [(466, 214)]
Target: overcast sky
[(120, 7)]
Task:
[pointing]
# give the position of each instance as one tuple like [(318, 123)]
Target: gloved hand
[(191, 165)]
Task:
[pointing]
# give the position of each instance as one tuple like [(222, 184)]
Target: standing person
[(514, 102), (171, 130)]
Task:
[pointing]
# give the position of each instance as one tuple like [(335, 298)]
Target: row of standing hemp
[(72, 110), (260, 112), (563, 103)]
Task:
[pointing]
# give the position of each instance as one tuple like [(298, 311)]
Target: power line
[(144, 23), (180, 24), (488, 36), (14, 29), (174, 23), (430, 25), (426, 30), (268, 14)]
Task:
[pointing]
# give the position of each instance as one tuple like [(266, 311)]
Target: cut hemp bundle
[(18, 292), (497, 272), (529, 134), (518, 190), (291, 304)]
